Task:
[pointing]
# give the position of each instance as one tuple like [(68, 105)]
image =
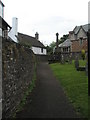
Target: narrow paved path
[(47, 99)]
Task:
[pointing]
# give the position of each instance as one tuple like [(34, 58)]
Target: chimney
[(57, 40), (13, 33), (15, 26), (37, 36)]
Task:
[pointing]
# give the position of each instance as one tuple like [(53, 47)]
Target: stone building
[(78, 38), (65, 46)]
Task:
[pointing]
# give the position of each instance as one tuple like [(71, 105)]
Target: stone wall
[(18, 69), (0, 78), (42, 58)]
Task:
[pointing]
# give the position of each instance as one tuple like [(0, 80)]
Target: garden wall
[(42, 58), (73, 55), (18, 69)]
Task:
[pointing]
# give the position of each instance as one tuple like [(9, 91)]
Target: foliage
[(82, 62), (49, 49), (83, 54), (75, 85), (65, 37), (52, 45), (89, 107)]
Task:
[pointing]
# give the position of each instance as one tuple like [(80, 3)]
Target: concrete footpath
[(47, 100)]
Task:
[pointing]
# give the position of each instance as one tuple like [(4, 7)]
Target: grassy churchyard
[(74, 83)]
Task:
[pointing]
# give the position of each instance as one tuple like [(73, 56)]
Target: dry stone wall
[(18, 64)]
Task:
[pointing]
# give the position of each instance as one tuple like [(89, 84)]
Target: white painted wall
[(37, 50), (13, 32), (1, 11)]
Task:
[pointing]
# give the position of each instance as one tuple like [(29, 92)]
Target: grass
[(89, 106), (29, 90), (82, 62), (75, 85)]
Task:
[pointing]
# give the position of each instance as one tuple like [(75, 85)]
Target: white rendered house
[(35, 45)]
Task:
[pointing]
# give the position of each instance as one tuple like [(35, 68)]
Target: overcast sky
[(46, 16)]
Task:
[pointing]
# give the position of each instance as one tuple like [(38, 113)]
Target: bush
[(83, 54)]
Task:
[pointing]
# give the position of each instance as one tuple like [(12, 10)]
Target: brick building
[(78, 38)]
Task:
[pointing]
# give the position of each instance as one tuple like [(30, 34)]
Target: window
[(81, 41), (41, 50), (5, 33)]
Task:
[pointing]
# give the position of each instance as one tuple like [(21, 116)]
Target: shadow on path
[(47, 100)]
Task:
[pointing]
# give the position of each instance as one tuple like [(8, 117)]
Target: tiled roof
[(30, 40), (85, 27), (3, 23), (66, 43), (1, 3)]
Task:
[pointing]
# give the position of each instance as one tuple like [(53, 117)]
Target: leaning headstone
[(76, 63)]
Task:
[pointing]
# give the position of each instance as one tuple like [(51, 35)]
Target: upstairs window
[(81, 41)]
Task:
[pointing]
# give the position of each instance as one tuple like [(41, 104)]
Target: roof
[(30, 40), (3, 23), (85, 28), (2, 3), (66, 43)]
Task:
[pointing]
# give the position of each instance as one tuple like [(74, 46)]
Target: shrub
[(83, 54)]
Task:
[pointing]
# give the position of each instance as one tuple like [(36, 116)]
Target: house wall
[(38, 50), (72, 36), (77, 47), (81, 34), (76, 43)]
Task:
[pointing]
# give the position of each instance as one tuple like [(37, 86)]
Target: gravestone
[(70, 59), (62, 59), (86, 65), (76, 63)]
